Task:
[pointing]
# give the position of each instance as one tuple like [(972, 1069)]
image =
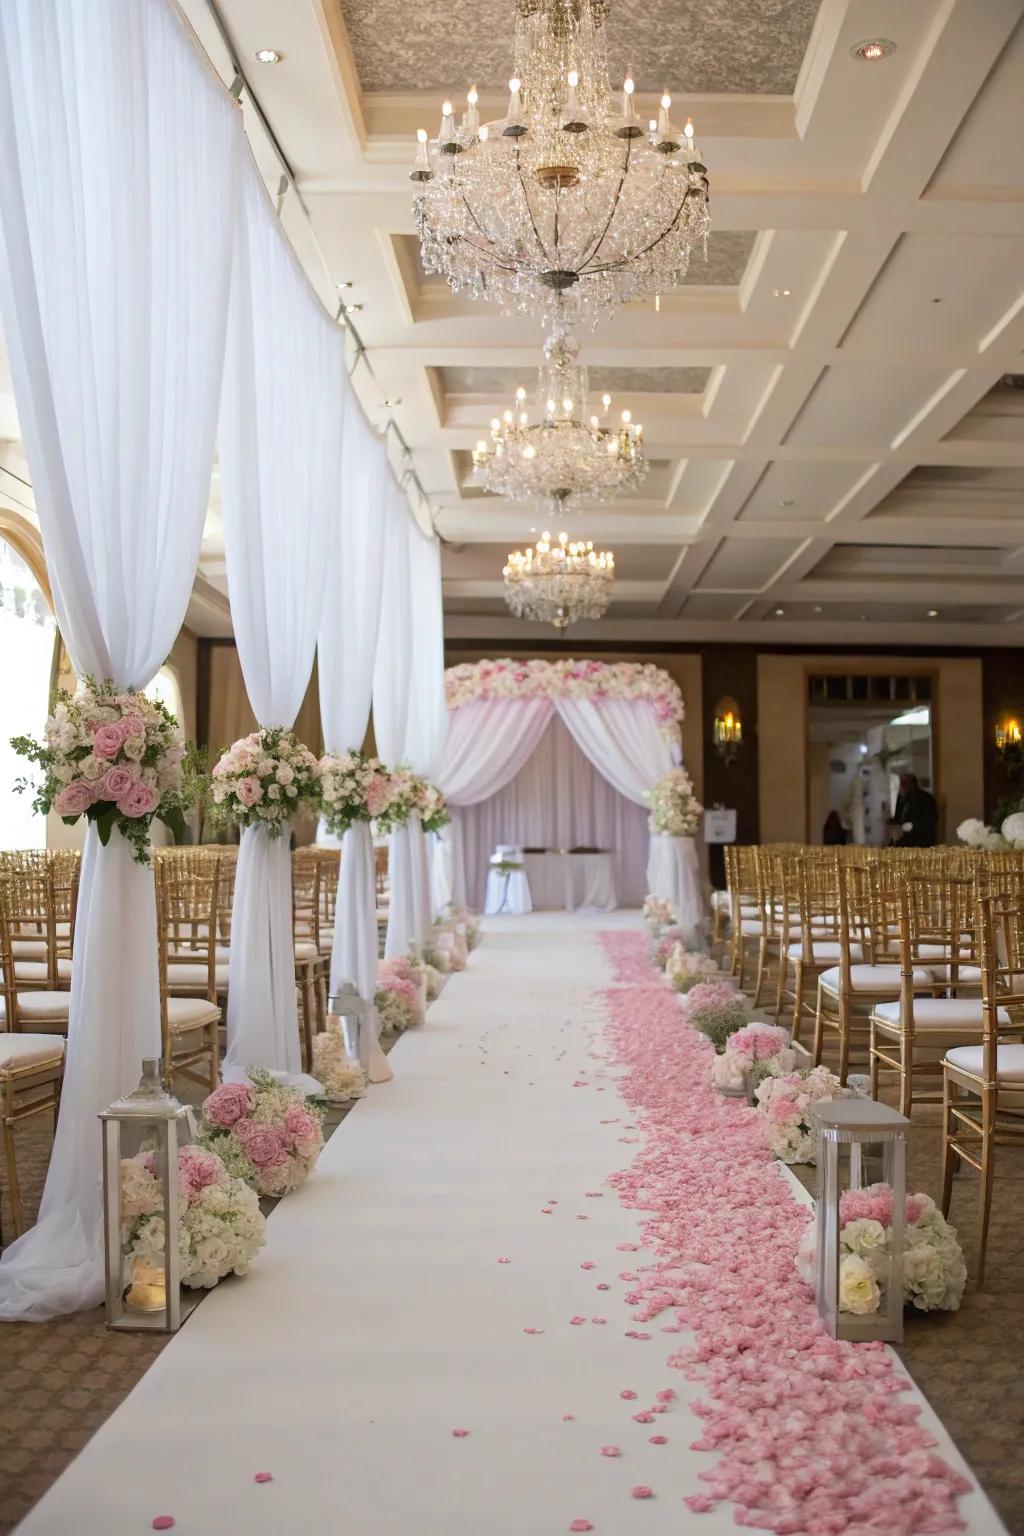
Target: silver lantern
[(859, 1124), (354, 1011), (149, 1297)]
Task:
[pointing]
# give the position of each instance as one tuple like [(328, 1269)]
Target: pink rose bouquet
[(353, 787), (410, 793), (750, 1054), (220, 1225), (264, 1132), (663, 946), (658, 915), (716, 1009), (934, 1273), (783, 1107), (685, 969), (265, 780), (116, 758), (400, 998)]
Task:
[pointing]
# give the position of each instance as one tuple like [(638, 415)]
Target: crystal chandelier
[(568, 194), (559, 583), (562, 454)]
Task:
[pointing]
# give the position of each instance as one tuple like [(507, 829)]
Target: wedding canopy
[(623, 718)]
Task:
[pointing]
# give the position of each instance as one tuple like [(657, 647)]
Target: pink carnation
[(74, 799), (228, 1104)]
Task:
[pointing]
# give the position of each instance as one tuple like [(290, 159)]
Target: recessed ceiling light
[(817, 608), (352, 309), (267, 56), (787, 503), (779, 612), (873, 49), (933, 613), (343, 286), (392, 401), (781, 293)]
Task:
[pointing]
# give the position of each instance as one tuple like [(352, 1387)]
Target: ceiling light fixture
[(779, 612), (342, 287), (558, 583), (352, 309), (567, 194), (781, 293), (268, 56), (873, 49), (933, 613)]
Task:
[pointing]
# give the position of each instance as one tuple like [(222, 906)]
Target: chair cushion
[(942, 952), (946, 1013), (185, 1013), (1009, 1061), (29, 1050), (186, 956), (721, 900), (28, 949), (752, 926), (36, 970), (306, 950), (196, 976), (51, 1006), (966, 975), (873, 978), (824, 949)]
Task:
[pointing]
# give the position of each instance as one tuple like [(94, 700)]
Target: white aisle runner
[(379, 1318)]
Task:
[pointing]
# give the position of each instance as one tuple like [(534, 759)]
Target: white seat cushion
[(29, 1050), (721, 900), (28, 949), (946, 1013), (195, 975), (185, 1013), (942, 952), (186, 956), (35, 970), (966, 975), (824, 949), (305, 950), (884, 979), (41, 1005), (752, 927), (1009, 1061)]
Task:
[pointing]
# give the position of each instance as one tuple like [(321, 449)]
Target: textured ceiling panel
[(616, 381), (751, 47)]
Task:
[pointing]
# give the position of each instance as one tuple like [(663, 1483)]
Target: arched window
[(27, 631)]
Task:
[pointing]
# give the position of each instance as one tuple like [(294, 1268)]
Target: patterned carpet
[(59, 1381)]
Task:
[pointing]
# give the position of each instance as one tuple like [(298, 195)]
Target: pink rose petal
[(163, 1522), (263, 1477), (628, 1395), (644, 1418), (604, 1286), (567, 1418), (577, 1320), (547, 1212), (598, 1319), (588, 1264), (659, 1440), (581, 1525), (460, 1434), (628, 1247), (666, 1395), (610, 1450), (641, 1491), (533, 1330)]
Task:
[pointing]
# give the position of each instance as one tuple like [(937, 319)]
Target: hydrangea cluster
[(220, 1228), (658, 915), (783, 1107), (629, 680), (754, 1052), (114, 757), (675, 809), (934, 1272), (353, 787), (716, 1009), (685, 969), (265, 1132), (343, 1079), (978, 834), (399, 998), (265, 780)]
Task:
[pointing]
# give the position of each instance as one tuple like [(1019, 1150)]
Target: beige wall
[(230, 713), (783, 746)]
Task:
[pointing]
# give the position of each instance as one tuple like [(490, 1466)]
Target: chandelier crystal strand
[(567, 195), (564, 453), (559, 583)]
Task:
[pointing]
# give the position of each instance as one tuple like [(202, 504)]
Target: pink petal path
[(811, 1436)]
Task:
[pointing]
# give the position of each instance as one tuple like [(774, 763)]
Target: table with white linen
[(577, 881)]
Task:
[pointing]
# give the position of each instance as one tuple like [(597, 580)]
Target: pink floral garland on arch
[(508, 679), (810, 1433)]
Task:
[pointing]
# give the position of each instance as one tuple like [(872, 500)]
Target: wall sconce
[(727, 729), (1009, 744)]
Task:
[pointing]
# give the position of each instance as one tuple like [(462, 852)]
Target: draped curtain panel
[(427, 719), (280, 438), (346, 650), (119, 184)]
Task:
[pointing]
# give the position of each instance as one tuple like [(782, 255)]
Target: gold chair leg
[(13, 1186), (985, 1193), (844, 1042), (906, 1075), (762, 966), (949, 1156), (819, 1031)]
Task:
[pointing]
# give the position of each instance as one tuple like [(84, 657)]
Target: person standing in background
[(915, 821)]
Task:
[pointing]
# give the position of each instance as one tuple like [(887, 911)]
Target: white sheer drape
[(280, 452), (118, 191), (346, 650), (427, 718)]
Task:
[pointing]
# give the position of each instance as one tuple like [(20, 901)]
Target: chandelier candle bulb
[(471, 117), (421, 166), (514, 128)]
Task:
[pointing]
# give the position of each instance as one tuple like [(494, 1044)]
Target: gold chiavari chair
[(745, 916), (38, 964), (66, 869), (186, 905), (814, 946), (380, 870), (983, 1084), (32, 1000), (937, 921), (775, 917), (306, 938)]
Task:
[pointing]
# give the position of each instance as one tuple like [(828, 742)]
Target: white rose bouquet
[(675, 809), (685, 969), (658, 915), (976, 834), (116, 758), (265, 780), (934, 1273), (220, 1229)]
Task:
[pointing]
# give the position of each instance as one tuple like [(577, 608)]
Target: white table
[(579, 882)]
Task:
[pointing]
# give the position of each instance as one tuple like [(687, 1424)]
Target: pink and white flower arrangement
[(113, 757), (437, 959), (684, 968), (410, 792), (400, 998), (220, 1225), (343, 1079), (716, 1009), (675, 809), (629, 680), (934, 1273), (467, 921), (663, 946), (433, 807), (752, 1053), (264, 780), (353, 787), (783, 1108), (266, 1133), (658, 915)]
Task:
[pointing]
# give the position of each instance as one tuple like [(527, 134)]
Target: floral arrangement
[(675, 809), (630, 680), (353, 787), (116, 758), (783, 1106), (684, 970), (264, 780), (265, 1133), (399, 995), (437, 959), (220, 1227), (658, 915), (717, 1010), (934, 1273), (433, 980), (433, 807), (343, 1079), (751, 1054), (464, 918), (976, 834), (664, 946)]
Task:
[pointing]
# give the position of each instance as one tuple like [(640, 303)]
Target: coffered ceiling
[(835, 455)]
